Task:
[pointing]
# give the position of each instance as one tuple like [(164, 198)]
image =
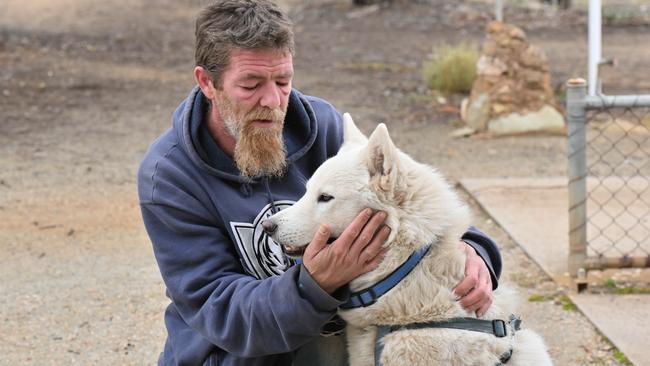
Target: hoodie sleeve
[(487, 249), (242, 315)]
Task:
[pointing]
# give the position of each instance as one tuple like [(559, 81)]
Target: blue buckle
[(367, 298), (499, 328)]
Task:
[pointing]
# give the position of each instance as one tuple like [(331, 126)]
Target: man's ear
[(204, 79), (382, 161), (352, 136)]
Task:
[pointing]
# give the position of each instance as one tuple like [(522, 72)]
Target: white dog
[(422, 210)]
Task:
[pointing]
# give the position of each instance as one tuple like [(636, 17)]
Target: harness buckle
[(499, 328)]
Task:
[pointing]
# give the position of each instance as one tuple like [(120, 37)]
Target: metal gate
[(609, 179)]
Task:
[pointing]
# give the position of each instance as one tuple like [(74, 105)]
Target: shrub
[(451, 69)]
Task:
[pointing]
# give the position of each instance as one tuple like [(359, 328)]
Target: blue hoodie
[(235, 298)]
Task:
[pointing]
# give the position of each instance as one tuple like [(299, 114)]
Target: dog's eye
[(324, 197)]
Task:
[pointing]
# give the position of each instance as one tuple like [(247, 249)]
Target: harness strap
[(496, 327), (382, 330)]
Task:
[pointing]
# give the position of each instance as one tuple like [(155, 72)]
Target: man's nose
[(271, 97), (269, 226)]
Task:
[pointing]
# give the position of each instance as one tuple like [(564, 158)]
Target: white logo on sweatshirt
[(260, 255)]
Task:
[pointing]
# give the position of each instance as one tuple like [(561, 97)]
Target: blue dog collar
[(369, 296)]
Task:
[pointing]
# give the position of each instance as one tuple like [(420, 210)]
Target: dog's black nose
[(269, 226)]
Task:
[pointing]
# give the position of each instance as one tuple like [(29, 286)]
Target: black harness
[(496, 327), (368, 296)]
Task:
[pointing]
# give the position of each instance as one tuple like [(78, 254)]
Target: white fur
[(422, 208)]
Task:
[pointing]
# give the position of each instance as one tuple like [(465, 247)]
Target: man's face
[(252, 104)]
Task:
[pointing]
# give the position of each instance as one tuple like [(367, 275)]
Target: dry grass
[(452, 69)]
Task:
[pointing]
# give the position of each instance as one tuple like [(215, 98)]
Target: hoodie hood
[(299, 133)]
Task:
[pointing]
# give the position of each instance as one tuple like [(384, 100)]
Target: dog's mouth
[(294, 251), (297, 251)]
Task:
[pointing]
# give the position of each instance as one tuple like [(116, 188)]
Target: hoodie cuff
[(312, 292)]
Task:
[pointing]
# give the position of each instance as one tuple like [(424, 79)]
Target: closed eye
[(324, 197)]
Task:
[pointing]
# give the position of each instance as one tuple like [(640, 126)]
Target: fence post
[(498, 10), (577, 154)]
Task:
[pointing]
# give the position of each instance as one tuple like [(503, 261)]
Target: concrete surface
[(534, 213), (623, 319)]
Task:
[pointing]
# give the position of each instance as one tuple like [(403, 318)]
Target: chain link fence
[(609, 179)]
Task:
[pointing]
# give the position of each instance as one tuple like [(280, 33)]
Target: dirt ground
[(85, 86)]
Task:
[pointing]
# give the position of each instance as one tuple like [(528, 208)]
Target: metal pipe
[(617, 262), (595, 44), (577, 171), (498, 10), (617, 101)]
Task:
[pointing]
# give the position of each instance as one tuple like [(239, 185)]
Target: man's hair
[(246, 24)]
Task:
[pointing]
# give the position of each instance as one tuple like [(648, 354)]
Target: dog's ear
[(352, 136), (382, 160)]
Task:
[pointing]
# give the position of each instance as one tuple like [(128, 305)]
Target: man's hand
[(475, 290), (357, 251)]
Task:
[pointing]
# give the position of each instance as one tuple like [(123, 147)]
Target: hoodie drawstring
[(269, 195), (246, 189)]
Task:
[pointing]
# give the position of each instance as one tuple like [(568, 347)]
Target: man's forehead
[(258, 76), (251, 63)]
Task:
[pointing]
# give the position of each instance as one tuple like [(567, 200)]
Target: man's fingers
[(484, 308), (368, 232), (470, 302), (366, 236), (375, 262), (319, 241), (478, 297), (475, 300), (353, 230), (374, 248), (471, 279), (465, 286)]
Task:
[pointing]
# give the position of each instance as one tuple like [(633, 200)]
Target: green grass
[(539, 298), (632, 290), (620, 357), (452, 69), (567, 304), (622, 289), (610, 283)]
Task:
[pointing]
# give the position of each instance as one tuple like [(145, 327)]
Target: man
[(240, 148)]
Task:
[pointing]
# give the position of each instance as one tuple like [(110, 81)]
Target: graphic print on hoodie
[(261, 256)]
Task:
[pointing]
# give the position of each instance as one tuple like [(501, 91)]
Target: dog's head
[(365, 173)]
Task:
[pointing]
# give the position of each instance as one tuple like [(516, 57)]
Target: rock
[(513, 79), (545, 119), (477, 112), (495, 27), (462, 132), (449, 109), (498, 109), (490, 66), (517, 33), (463, 109), (534, 58)]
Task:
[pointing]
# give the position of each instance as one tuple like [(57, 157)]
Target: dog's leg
[(361, 345)]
